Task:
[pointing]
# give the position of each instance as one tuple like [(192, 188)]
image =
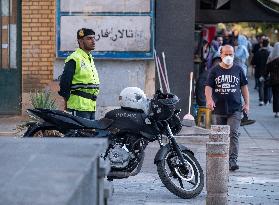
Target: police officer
[(79, 83)]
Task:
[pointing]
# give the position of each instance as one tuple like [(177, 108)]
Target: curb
[(193, 139)]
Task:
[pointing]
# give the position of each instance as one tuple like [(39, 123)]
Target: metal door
[(10, 57)]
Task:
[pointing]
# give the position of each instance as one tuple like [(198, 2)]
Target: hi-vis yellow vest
[(85, 81)]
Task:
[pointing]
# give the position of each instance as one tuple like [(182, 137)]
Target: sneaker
[(246, 121), (261, 103), (234, 167), (276, 115)]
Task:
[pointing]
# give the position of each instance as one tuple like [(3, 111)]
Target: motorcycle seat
[(101, 124)]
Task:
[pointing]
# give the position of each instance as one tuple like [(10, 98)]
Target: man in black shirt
[(259, 62), (225, 84)]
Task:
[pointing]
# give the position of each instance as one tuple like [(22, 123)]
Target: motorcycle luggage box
[(128, 120)]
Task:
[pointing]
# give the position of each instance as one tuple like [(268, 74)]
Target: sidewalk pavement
[(255, 183), (9, 125)]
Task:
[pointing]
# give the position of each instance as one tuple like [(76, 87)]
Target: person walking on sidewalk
[(272, 70), (79, 83), (259, 60), (225, 84), (241, 55)]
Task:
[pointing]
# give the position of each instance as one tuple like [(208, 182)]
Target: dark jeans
[(265, 93), (233, 121), (257, 82), (84, 114), (275, 91)]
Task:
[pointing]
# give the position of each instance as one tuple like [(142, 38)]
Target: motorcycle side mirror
[(158, 91), (158, 94)]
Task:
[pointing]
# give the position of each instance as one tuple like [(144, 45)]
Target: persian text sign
[(112, 33), (123, 28), (105, 6)]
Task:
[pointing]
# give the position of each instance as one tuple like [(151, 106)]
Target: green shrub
[(42, 99)]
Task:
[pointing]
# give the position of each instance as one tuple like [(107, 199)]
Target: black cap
[(84, 32)]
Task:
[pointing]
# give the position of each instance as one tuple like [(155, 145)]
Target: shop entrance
[(10, 57)]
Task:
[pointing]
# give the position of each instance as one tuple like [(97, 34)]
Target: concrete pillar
[(217, 165), (219, 133)]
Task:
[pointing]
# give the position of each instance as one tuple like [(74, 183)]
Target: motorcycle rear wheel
[(36, 130), (183, 182)]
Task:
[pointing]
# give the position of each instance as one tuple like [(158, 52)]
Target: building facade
[(35, 34)]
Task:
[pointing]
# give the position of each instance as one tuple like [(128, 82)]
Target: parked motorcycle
[(129, 130)]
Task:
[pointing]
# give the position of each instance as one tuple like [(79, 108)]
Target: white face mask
[(228, 60)]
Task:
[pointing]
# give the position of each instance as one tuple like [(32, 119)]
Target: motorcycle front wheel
[(183, 181)]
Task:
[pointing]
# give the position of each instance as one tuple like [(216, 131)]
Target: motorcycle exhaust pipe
[(119, 174)]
